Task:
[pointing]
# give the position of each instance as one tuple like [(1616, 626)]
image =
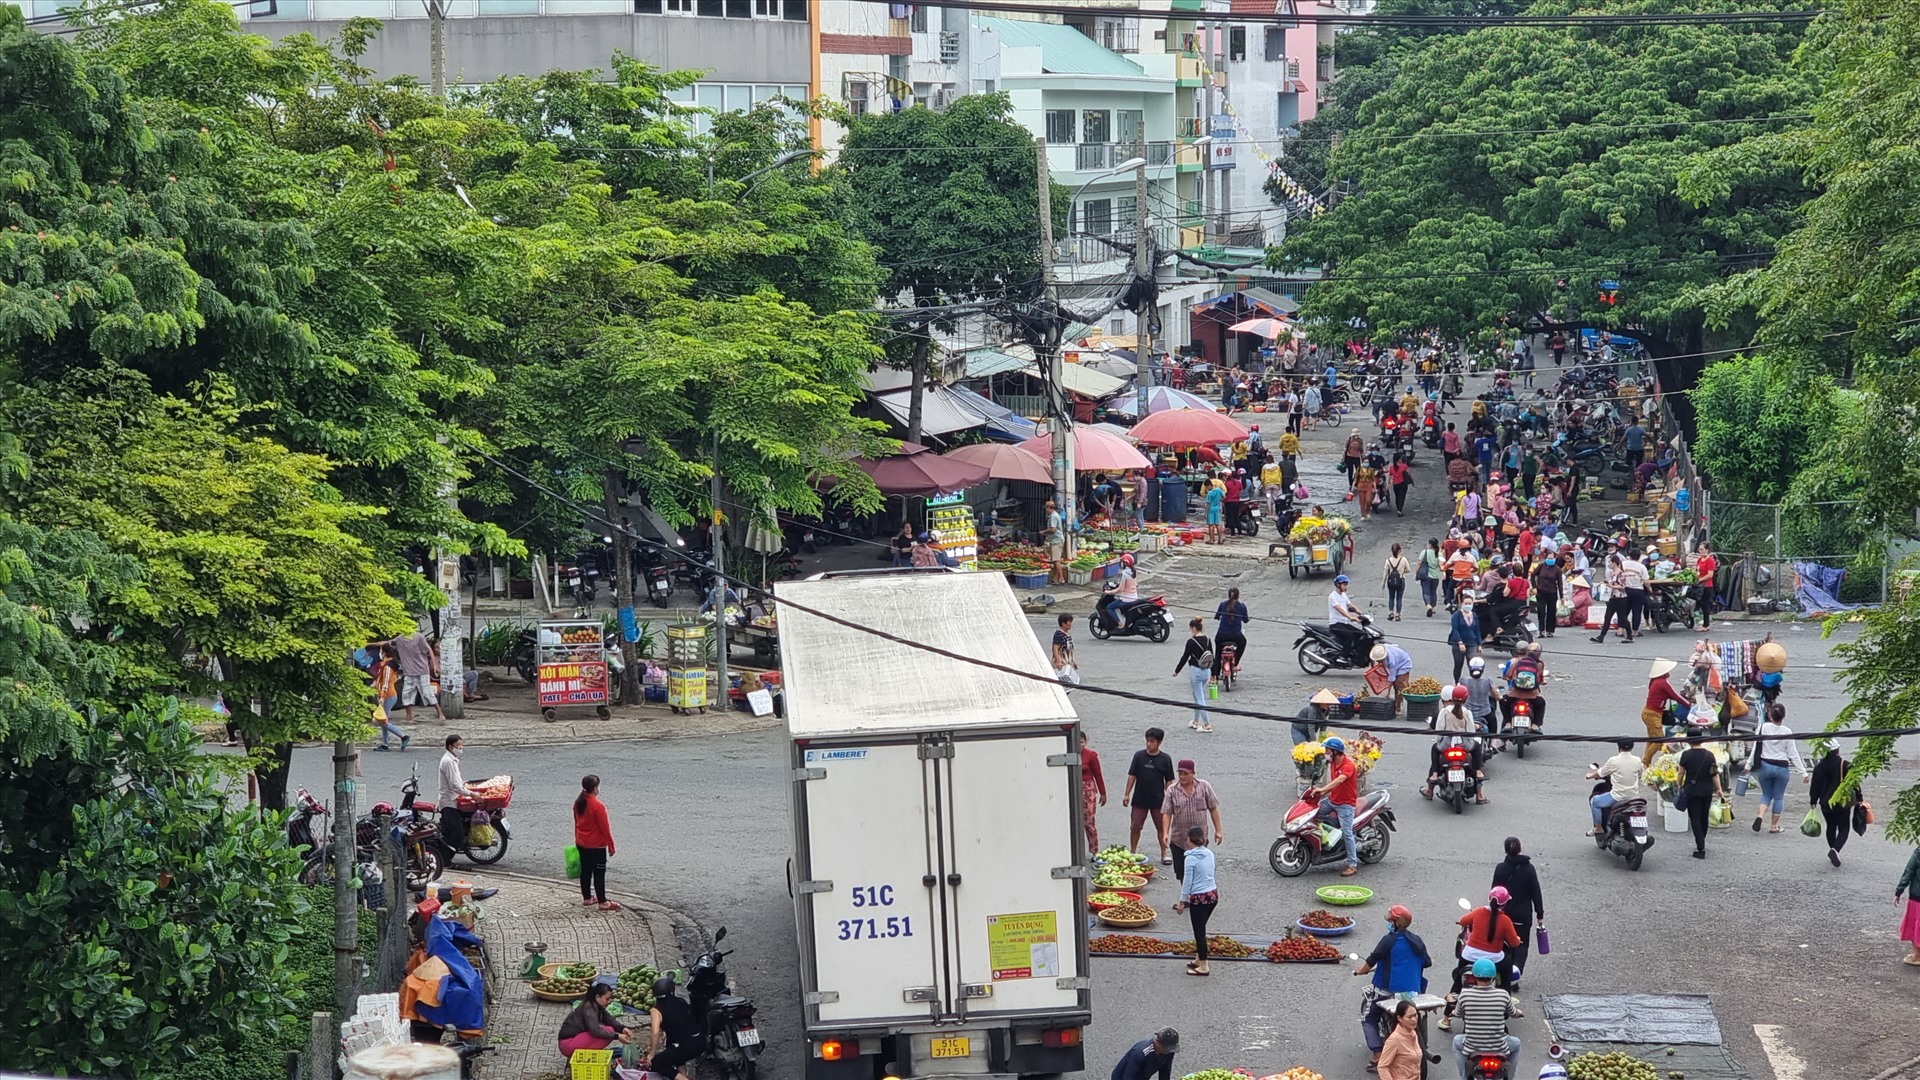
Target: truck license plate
[(747, 1036), (952, 1048), (1456, 776), (1638, 821)]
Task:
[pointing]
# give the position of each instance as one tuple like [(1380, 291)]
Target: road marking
[(1787, 1065)]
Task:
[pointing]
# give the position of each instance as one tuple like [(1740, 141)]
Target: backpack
[(1526, 674)]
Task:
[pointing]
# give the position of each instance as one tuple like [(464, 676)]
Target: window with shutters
[(1060, 126), (1099, 126), (1130, 128)]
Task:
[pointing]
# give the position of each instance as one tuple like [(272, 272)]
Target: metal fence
[(1760, 542)]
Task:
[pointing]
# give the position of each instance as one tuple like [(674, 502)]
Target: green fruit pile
[(1610, 1066), (577, 971), (562, 987), (1215, 1074), (635, 988)]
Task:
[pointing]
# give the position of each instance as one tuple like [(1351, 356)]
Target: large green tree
[(951, 200), (1503, 174)]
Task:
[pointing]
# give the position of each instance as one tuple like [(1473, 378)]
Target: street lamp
[(780, 162), (1073, 201)]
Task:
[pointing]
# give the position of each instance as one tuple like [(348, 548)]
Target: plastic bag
[(1720, 814), (572, 855), (1811, 824)]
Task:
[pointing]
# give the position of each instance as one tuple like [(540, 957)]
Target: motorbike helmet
[(1484, 969), (1335, 743), (380, 808), (1477, 665), (1553, 1070), (923, 537), (1499, 894), (1399, 911), (1342, 579), (1126, 559), (1409, 389), (1456, 692), (663, 987)]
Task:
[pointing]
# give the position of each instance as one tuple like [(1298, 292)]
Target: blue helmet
[(1483, 969), (1335, 742), (1342, 580)]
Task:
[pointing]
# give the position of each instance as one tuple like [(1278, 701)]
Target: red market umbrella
[(1188, 427), (1004, 462), (1093, 450), (915, 470)]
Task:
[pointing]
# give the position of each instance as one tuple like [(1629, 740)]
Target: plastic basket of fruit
[(568, 970), (1111, 898), (1344, 895), (1129, 915), (1114, 879), (1325, 923), (559, 989)]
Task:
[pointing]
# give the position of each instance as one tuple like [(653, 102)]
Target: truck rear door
[(872, 925)]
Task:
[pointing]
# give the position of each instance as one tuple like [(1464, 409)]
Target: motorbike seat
[(1370, 801), (1631, 806)]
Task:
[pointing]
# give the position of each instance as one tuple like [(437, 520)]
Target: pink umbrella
[(1188, 427), (1093, 451), (1004, 462), (915, 470), (1266, 328)]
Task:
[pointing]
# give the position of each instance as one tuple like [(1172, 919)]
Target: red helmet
[(1457, 692), (380, 808), (1126, 559)]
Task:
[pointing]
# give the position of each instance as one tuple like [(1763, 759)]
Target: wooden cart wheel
[(549, 715), (603, 712)]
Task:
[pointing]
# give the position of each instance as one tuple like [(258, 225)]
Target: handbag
[(1680, 798), (572, 855), (1811, 825), (1862, 817), (1540, 938)]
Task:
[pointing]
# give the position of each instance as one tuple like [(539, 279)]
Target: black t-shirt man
[(1151, 773)]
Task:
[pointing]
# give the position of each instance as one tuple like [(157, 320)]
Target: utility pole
[(446, 576), (622, 584), (437, 45), (1142, 272), (346, 900), (1060, 423), (720, 581)]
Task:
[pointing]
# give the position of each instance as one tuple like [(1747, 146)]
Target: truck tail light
[(832, 1050), (1057, 1037)]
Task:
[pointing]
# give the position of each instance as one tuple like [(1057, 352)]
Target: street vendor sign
[(573, 683)]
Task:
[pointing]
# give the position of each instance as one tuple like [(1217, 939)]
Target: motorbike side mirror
[(1464, 905), (720, 936)]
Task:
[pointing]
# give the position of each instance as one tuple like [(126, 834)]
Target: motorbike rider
[(1339, 798), (1398, 964), (1483, 694), (1122, 593), (1343, 619), (453, 787), (1622, 773), (676, 1032), (1483, 1010), (1524, 673), (1454, 719)]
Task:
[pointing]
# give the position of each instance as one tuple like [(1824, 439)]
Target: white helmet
[(1477, 665)]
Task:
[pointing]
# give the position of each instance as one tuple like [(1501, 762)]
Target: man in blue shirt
[(1636, 442), (1398, 965), (1149, 1058), (1483, 448)]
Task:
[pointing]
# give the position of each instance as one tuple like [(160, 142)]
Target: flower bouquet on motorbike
[(1310, 760)]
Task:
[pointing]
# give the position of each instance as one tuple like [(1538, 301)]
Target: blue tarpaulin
[(1817, 589), (1002, 423), (461, 1007)]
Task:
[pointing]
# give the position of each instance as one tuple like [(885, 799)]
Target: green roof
[(1063, 50)]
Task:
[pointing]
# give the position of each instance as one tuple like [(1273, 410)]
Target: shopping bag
[(1811, 825), (1069, 675), (1720, 814), (1540, 936), (1680, 799), (573, 862), (1862, 817)]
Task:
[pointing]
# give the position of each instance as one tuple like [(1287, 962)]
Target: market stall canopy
[(1188, 427), (1002, 423), (984, 362), (915, 470), (1260, 299), (1119, 363), (1084, 381), (1265, 327), (1093, 450), (1159, 399), (883, 380), (1004, 462), (941, 412)]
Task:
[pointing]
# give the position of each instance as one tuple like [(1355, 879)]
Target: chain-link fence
[(1761, 542)]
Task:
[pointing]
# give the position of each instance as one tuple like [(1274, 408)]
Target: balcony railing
[(1097, 157)]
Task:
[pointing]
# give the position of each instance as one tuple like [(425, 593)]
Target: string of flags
[(1300, 201)]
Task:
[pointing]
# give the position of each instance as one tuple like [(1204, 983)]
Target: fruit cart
[(1315, 544), (572, 656)]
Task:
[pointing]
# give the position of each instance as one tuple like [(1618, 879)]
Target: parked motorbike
[(303, 828), (651, 579), (1147, 618), (1669, 603), (1248, 523), (418, 812), (733, 1039), (1306, 841), (1456, 782), (694, 572), (1624, 828), (1318, 649)]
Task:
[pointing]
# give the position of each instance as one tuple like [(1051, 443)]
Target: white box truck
[(939, 871)]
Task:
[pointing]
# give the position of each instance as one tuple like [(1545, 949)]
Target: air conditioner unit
[(942, 97), (949, 46)]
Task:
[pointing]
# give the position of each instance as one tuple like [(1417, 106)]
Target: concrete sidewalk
[(510, 717), (527, 909)]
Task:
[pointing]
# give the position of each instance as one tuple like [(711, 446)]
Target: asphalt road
[(1765, 925)]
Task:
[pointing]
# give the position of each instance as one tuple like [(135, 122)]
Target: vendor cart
[(572, 655), (1306, 558)]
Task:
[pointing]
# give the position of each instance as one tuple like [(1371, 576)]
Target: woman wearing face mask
[(1398, 964)]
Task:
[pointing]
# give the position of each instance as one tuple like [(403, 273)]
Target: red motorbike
[(483, 841), (1307, 840)]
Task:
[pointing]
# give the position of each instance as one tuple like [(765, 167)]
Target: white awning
[(1084, 381)]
